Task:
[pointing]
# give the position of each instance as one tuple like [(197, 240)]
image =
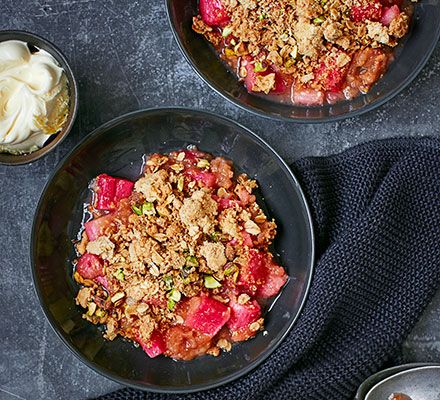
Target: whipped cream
[(34, 98)]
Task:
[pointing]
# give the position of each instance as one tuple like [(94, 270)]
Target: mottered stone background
[(125, 58)]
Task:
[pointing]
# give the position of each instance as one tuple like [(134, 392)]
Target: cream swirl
[(33, 97)]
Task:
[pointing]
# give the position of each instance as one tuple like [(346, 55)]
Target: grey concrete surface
[(125, 58)]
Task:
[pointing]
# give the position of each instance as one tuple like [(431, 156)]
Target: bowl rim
[(58, 55), (369, 107), (102, 371)]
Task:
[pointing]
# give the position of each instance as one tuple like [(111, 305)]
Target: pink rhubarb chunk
[(245, 197), (123, 188), (247, 239), (207, 178), (97, 226), (105, 192), (206, 315), (252, 274), (329, 74), (388, 14), (251, 76), (223, 203), (363, 10), (275, 278), (308, 97), (103, 281), (89, 266), (155, 346), (213, 12), (110, 190), (242, 316)]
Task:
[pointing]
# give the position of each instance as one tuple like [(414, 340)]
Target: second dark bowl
[(117, 149), (411, 56)]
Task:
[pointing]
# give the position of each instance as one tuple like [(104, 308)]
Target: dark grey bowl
[(56, 139), (411, 56), (117, 148)]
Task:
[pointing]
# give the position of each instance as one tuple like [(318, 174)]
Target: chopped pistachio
[(180, 183), (168, 280), (233, 42), (137, 209), (119, 275), (259, 67), (216, 237), (230, 269), (175, 295), (192, 261), (117, 296), (171, 303), (227, 31), (187, 269), (148, 208), (203, 163), (100, 313), (91, 308), (210, 282), (319, 20)]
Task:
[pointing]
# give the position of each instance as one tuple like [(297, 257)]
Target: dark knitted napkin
[(376, 211)]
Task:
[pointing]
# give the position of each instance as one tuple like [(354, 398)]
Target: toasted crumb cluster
[(296, 37), (181, 233)]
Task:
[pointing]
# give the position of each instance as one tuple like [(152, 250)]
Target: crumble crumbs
[(170, 233), (293, 35)]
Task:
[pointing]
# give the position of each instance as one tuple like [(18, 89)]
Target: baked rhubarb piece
[(304, 51), (178, 261)]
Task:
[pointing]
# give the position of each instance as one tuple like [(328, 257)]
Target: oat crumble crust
[(295, 35), (151, 248)]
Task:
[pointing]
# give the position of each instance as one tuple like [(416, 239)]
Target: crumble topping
[(176, 237), (294, 36)]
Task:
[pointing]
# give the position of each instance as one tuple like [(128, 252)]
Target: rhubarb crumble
[(178, 261), (305, 51)]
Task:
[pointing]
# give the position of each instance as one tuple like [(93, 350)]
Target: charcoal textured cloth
[(376, 214)]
